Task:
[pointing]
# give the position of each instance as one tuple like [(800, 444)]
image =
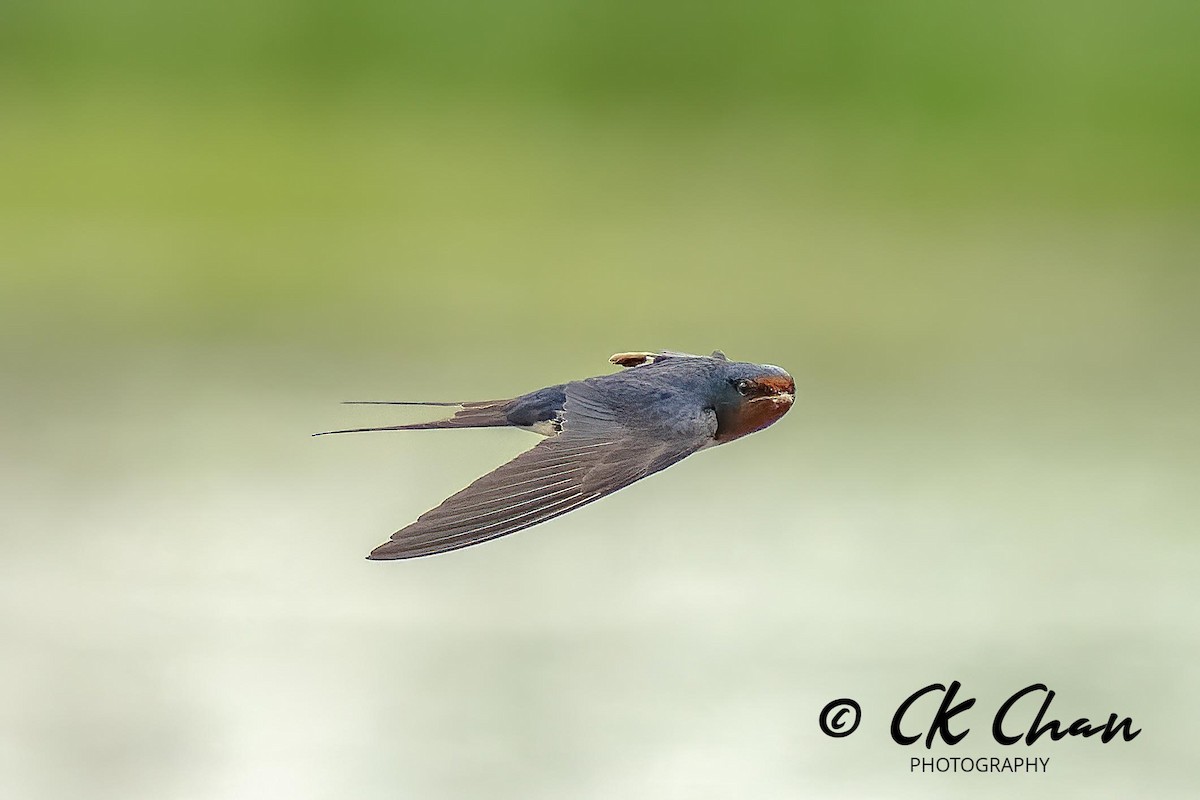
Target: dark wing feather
[(639, 358), (594, 456)]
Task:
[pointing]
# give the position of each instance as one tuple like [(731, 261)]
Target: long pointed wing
[(642, 357), (594, 456)]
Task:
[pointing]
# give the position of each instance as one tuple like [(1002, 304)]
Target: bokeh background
[(970, 230)]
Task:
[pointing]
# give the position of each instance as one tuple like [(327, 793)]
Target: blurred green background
[(970, 231)]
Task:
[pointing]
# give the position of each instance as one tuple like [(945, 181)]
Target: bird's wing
[(595, 455), (640, 358)]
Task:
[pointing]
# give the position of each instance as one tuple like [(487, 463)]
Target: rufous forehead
[(776, 383)]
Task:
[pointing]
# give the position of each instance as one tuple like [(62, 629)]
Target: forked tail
[(478, 414)]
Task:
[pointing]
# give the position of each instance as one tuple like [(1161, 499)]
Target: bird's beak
[(780, 398), (783, 398), (781, 391)]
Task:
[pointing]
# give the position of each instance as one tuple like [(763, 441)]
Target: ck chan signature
[(1013, 722)]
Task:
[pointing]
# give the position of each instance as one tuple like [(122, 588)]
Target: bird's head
[(749, 397)]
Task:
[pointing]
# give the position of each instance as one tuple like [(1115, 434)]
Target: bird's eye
[(742, 386)]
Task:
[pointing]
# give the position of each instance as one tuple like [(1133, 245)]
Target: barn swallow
[(602, 434)]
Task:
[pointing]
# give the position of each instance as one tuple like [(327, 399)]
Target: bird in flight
[(602, 434)]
